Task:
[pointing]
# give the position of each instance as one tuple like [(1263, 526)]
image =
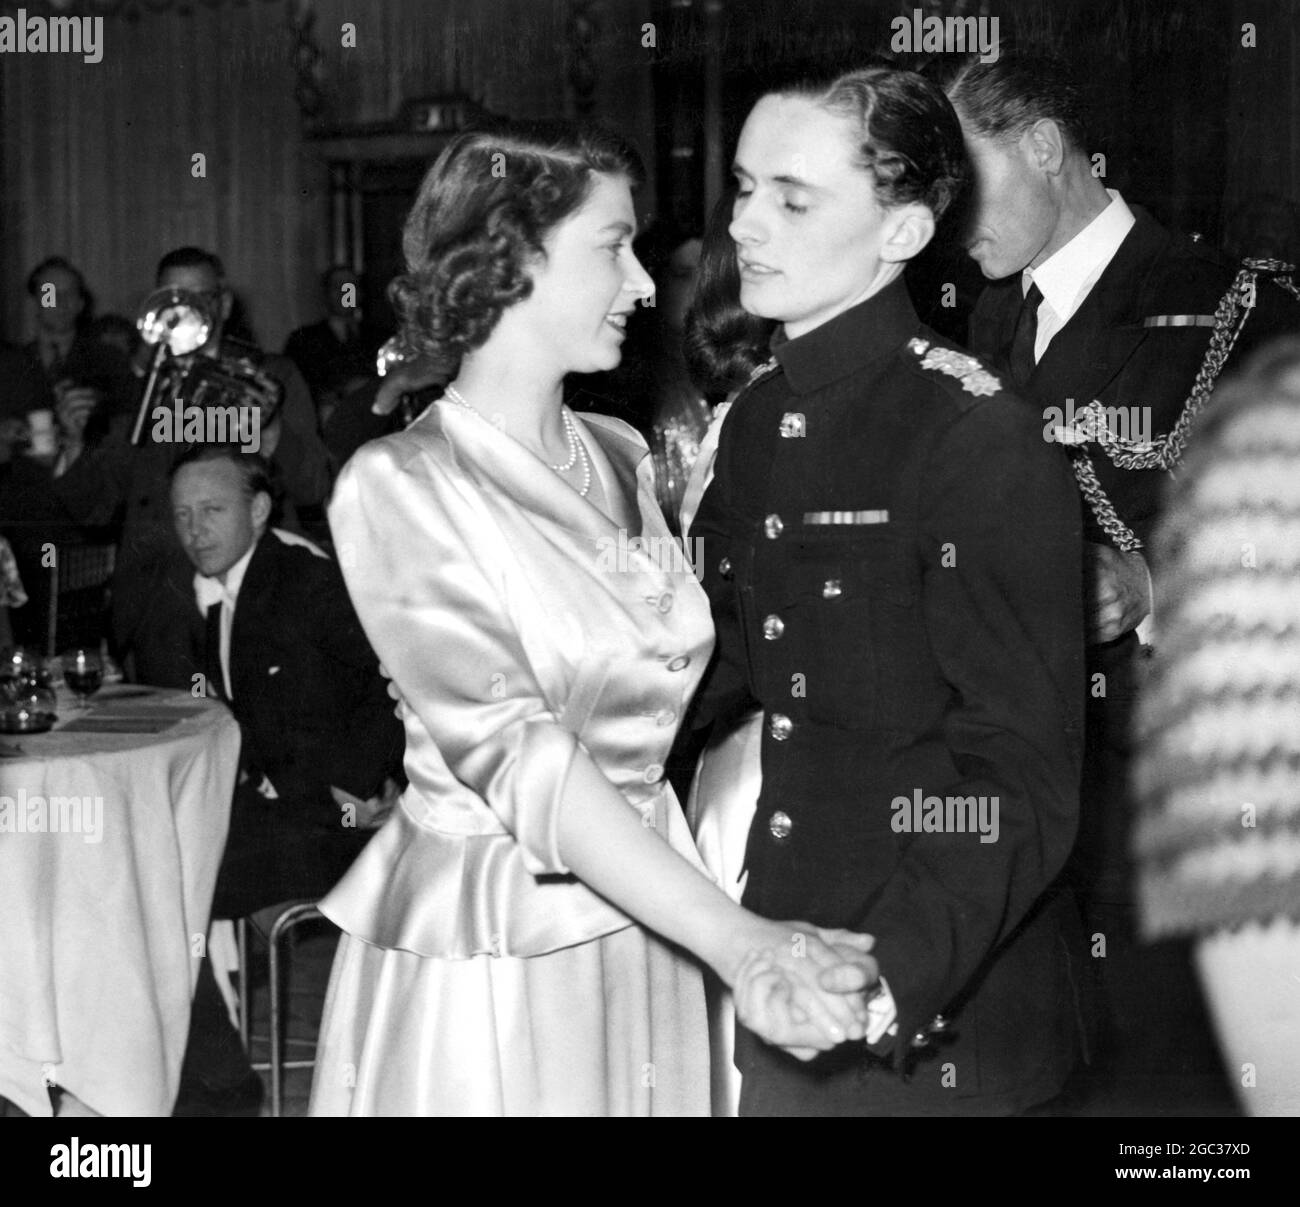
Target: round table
[(112, 828)]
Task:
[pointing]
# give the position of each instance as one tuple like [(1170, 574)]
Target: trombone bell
[(179, 318), (396, 353)]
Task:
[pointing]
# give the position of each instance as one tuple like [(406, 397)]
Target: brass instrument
[(395, 352), (410, 372), (234, 389)]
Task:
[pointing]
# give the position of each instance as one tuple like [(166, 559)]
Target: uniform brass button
[(724, 567), (665, 717), (663, 602), (773, 526), (832, 589), (773, 627), (779, 825), (680, 663), (654, 773), (780, 726)]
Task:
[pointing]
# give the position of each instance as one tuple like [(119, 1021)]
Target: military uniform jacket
[(1135, 345), (891, 552)]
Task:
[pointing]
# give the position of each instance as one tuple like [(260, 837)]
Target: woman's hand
[(802, 988)]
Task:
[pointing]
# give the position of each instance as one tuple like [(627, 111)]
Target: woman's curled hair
[(479, 223)]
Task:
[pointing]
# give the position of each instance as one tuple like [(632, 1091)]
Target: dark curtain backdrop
[(1263, 144), (1191, 121), (95, 159)]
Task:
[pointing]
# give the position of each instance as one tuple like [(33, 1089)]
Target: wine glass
[(83, 672)]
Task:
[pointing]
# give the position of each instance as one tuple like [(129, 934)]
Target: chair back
[(79, 596)]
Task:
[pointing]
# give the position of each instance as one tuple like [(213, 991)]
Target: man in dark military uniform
[(891, 551), (1116, 330)]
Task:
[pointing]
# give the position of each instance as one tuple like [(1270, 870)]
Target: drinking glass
[(83, 672)]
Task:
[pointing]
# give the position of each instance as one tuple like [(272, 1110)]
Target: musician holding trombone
[(127, 478)]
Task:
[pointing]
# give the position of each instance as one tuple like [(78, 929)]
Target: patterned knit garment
[(1218, 742)]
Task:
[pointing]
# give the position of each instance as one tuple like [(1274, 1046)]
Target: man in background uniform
[(1093, 302)]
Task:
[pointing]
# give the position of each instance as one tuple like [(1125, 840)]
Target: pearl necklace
[(577, 450)]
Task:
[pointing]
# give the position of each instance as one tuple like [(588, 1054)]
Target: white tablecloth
[(102, 922)]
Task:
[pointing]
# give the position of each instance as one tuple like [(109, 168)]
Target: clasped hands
[(805, 989)]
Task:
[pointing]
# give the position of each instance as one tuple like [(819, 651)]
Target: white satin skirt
[(613, 1026), (720, 810)]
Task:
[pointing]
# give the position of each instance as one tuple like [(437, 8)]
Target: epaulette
[(973, 376)]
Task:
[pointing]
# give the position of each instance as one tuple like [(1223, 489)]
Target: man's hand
[(75, 405), (1119, 590), (368, 814)]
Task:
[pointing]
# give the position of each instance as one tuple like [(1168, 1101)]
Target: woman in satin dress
[(521, 938)]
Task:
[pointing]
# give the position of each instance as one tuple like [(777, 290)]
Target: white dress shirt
[(212, 590), (1067, 276), (1065, 279)]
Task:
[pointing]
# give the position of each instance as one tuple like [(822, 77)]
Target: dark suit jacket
[(937, 650), (1108, 352), (313, 711), (22, 384), (307, 690), (352, 424), (89, 363), (326, 362), (32, 515)]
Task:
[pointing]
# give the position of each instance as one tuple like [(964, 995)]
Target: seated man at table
[(321, 747), (122, 483)]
